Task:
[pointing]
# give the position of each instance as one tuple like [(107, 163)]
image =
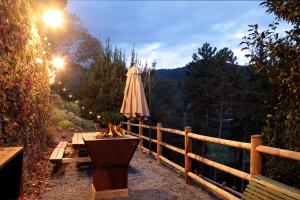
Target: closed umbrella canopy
[(134, 101)]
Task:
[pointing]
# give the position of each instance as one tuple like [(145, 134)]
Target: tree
[(24, 82), (210, 87), (278, 59), (103, 88)]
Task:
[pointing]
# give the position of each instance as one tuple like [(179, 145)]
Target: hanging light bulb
[(70, 96), (58, 62), (39, 60), (53, 18), (90, 112)]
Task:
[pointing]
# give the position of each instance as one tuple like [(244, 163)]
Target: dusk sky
[(169, 32)]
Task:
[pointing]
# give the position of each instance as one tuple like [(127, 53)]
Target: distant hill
[(172, 74)]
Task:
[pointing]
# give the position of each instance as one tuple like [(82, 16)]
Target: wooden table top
[(77, 138), (8, 153)]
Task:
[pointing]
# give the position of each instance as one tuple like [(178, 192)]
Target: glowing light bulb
[(70, 96), (90, 112), (53, 18), (98, 116), (39, 60), (82, 107), (58, 62), (64, 89), (76, 101)]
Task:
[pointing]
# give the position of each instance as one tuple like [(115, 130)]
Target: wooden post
[(158, 146), (128, 126), (255, 156), (187, 149), (140, 135)]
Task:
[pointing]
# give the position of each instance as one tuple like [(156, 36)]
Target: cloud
[(170, 32), (222, 27)]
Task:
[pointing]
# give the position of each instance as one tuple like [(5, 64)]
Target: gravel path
[(146, 181)]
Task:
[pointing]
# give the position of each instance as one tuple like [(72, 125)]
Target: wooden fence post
[(255, 156), (187, 149), (140, 135), (128, 126), (158, 146)]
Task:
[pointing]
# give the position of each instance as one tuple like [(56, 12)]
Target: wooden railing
[(255, 147)]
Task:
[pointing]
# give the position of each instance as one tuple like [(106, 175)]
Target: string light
[(39, 60), (58, 62), (53, 18)]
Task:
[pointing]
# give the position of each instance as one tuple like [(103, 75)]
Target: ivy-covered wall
[(24, 79)]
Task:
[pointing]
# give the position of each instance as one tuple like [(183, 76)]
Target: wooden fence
[(255, 147)]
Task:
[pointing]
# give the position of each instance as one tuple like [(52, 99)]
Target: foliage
[(111, 117), (74, 108), (24, 83), (56, 102), (103, 88), (65, 124), (277, 58)]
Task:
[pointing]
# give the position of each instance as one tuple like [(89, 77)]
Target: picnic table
[(77, 139), (58, 156)]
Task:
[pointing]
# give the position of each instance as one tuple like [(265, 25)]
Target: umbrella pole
[(128, 126), (150, 120)]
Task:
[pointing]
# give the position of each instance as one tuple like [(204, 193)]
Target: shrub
[(56, 102), (65, 124), (58, 115), (74, 108), (88, 126), (24, 83)]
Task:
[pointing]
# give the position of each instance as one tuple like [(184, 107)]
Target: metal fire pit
[(110, 158)]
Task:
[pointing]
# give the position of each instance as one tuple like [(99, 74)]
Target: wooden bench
[(261, 187), (58, 152)]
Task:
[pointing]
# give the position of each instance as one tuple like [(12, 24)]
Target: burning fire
[(112, 130)]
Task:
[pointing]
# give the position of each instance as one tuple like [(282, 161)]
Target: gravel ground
[(146, 181)]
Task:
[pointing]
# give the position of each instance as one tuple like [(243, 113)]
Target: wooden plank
[(294, 155), (175, 131), (176, 166), (74, 139), (263, 192), (278, 184), (267, 189), (54, 154), (109, 194), (76, 160), (60, 153), (231, 143), (257, 195), (7, 154), (212, 187), (284, 190), (219, 166), (249, 195), (173, 148)]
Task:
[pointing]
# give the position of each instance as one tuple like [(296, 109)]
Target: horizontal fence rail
[(255, 147)]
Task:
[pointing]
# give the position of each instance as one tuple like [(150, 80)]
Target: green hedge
[(24, 83)]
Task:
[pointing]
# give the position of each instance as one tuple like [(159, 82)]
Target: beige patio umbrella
[(134, 101)]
